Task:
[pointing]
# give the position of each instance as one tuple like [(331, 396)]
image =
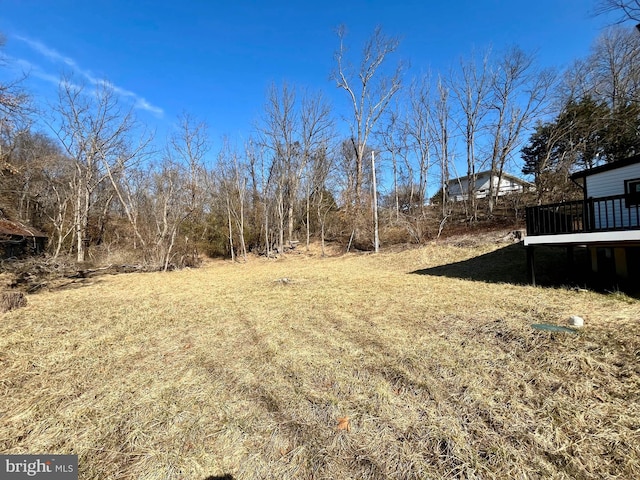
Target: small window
[(632, 191)]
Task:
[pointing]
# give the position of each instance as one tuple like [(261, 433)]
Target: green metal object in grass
[(552, 328)]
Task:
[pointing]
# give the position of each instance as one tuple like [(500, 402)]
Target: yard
[(398, 365)]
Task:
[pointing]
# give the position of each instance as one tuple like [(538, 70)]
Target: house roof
[(487, 172), (606, 167), (8, 227)]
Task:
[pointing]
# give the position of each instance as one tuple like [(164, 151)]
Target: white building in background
[(458, 188)]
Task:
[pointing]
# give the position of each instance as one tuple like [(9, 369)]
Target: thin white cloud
[(56, 57), (144, 105), (50, 53), (19, 64), (115, 88), (32, 70), (140, 102)]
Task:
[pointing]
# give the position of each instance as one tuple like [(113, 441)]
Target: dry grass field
[(399, 366)]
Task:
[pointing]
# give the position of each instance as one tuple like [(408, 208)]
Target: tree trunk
[(376, 236), (290, 222), (308, 207), (243, 246), (233, 255), (82, 220), (266, 230), (280, 223)]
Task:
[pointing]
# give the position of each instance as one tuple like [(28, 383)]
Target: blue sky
[(216, 60)]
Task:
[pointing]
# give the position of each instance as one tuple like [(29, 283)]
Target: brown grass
[(11, 301), (351, 368)]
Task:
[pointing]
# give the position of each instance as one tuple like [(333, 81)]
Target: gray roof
[(487, 172), (606, 167)]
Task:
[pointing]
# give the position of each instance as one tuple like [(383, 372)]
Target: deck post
[(531, 271), (620, 258), (593, 253)]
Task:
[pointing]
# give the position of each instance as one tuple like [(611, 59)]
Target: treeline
[(597, 119), (100, 187)]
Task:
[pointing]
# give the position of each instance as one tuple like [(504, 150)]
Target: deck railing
[(618, 212)]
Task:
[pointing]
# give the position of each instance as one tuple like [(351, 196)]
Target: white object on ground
[(576, 321)]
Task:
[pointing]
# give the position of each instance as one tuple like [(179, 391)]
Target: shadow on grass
[(509, 265), (227, 476), (505, 265)]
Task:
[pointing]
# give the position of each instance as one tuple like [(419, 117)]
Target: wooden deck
[(605, 214), (612, 223)]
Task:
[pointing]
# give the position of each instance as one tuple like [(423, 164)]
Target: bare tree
[(258, 171), (321, 168), (519, 92), (35, 188), (417, 127), (13, 99), (374, 201), (173, 195), (279, 135), (471, 92), (233, 187), (408, 139), (134, 191), (613, 68), (597, 115), (316, 134), (627, 9), (188, 148), (167, 183), (292, 132), (394, 141), (95, 133), (14, 110), (369, 91), (440, 132), (57, 199)]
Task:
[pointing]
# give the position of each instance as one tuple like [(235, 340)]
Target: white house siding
[(508, 185), (459, 188), (610, 183), (614, 215), (482, 186)]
